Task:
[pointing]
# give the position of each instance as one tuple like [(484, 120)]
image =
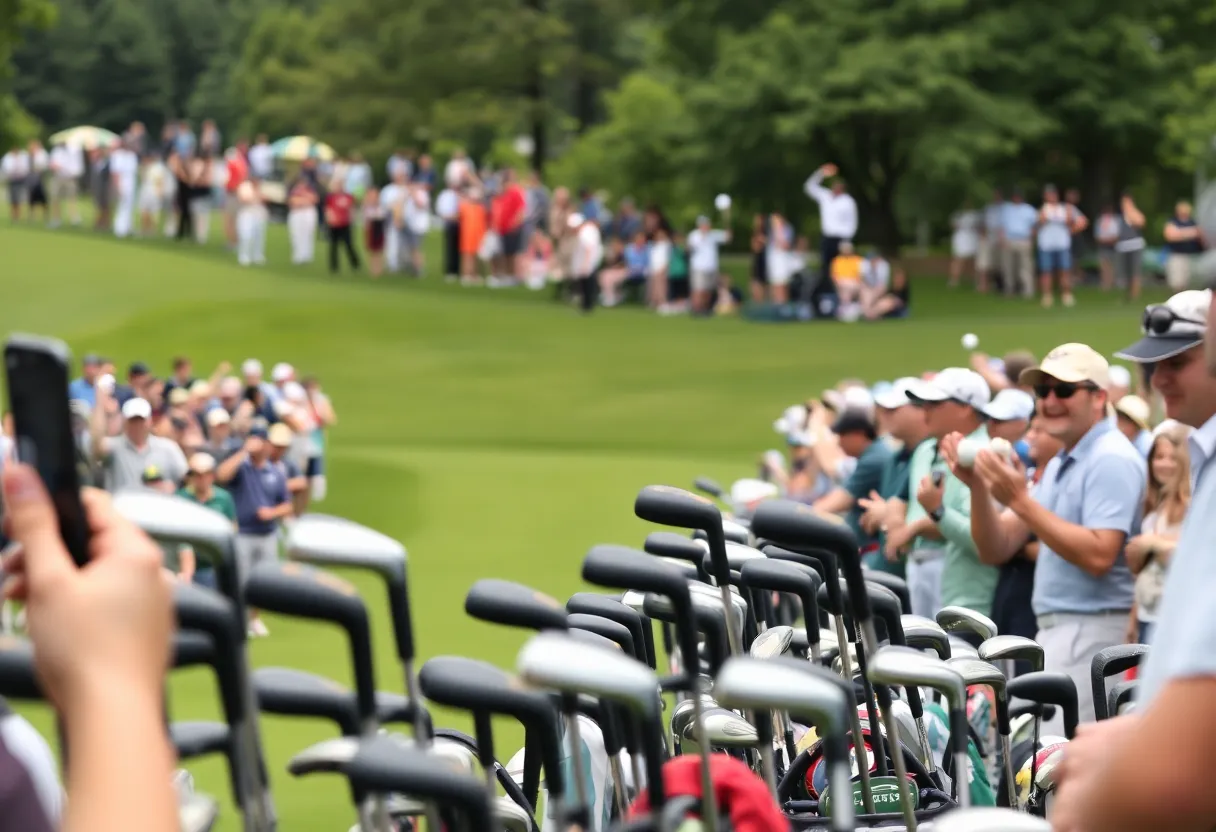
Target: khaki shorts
[(987, 254), (252, 549), (1178, 271), (703, 281), (63, 188)]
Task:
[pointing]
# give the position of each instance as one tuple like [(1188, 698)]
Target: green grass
[(497, 434)]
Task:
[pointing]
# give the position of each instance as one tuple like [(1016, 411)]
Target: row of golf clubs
[(294, 590)]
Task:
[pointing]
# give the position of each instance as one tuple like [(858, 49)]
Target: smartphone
[(37, 381), (938, 478)]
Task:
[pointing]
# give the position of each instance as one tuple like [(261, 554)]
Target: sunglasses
[(1062, 389), (1160, 320)]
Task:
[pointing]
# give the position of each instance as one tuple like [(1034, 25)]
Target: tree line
[(921, 103)]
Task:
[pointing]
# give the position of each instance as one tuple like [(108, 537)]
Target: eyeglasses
[(1159, 319), (1062, 389)]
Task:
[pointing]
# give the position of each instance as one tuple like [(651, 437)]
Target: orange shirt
[(846, 268), (473, 221)]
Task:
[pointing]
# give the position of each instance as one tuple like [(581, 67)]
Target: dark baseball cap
[(259, 431), (138, 368)]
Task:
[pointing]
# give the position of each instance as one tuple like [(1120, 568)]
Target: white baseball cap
[(956, 384), (1071, 363), (218, 416), (1010, 405), (251, 367), (282, 372), (137, 408), (792, 421), (1120, 376), (575, 220), (896, 395), (1170, 328)]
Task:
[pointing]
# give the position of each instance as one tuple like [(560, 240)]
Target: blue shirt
[(992, 218), (253, 488), (1144, 442), (636, 259), (1018, 220), (1099, 484), (81, 389)]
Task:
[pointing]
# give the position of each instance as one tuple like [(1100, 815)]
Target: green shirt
[(894, 484), (677, 266), (220, 501), (866, 477), (965, 581), (924, 463)]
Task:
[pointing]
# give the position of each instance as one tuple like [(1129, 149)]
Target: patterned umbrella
[(299, 148), (85, 136)]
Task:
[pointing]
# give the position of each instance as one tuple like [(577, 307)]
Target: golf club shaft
[(859, 743), (709, 803), (961, 764), (769, 765), (733, 636), (618, 785), (926, 749), (576, 758), (1007, 764), (869, 645)]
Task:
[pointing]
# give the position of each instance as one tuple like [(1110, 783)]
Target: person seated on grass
[(678, 288), (875, 279), (727, 297), (539, 259), (893, 303), (846, 278), (637, 261)]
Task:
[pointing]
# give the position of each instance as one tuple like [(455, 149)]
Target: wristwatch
[(937, 514)]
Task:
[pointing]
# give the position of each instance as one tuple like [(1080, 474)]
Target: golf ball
[(1002, 448), (970, 341), (967, 450), (722, 202), (106, 383)]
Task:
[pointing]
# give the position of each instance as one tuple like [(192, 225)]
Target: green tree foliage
[(129, 77), (17, 17)]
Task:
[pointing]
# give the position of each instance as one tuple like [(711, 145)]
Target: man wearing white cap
[(253, 373), (1114, 776), (1088, 502), (1009, 415), (953, 402), (586, 259), (135, 458)]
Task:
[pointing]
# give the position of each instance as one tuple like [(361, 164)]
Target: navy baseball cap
[(138, 368), (259, 431)]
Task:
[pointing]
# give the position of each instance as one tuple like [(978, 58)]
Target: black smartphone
[(37, 381), (938, 478)]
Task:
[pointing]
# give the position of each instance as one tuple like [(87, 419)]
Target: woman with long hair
[(658, 232), (1166, 500)]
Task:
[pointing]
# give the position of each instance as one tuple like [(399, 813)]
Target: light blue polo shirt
[(1099, 484), (1018, 220), (1184, 638)]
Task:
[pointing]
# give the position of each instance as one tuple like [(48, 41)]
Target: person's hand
[(1000, 478), (107, 624), (979, 361), (828, 169), (930, 495), (874, 512), (1132, 634), (266, 514), (1137, 547), (897, 539), (948, 449), (1081, 775), (224, 368)]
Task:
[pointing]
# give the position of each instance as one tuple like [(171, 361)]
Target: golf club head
[(708, 486), (324, 540), (738, 604), (791, 578), (298, 590), (192, 649), (956, 619), (887, 607), (732, 531), (18, 680), (710, 622), (285, 691), (476, 686), (989, 819), (382, 764), (609, 629), (589, 603), (562, 662), (514, 605), (925, 634), (961, 648), (893, 665), (689, 570), (511, 816), (724, 729), (197, 813), (894, 583), (775, 641), (1049, 688), (1012, 648), (677, 546), (797, 526), (980, 672), (1108, 662), (683, 714), (202, 610), (194, 739), (670, 506), (172, 519), (619, 567), (821, 562), (332, 755)]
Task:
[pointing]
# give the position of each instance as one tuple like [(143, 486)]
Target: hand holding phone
[(37, 381)]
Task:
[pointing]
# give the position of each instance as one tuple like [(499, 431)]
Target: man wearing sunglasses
[(1088, 502), (1151, 768)]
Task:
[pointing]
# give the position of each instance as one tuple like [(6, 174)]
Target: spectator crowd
[(248, 446)]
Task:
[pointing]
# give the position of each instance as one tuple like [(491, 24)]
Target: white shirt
[(660, 255), (455, 172), (261, 160), (392, 197), (703, 246), (418, 210), (837, 212), (447, 205), (1201, 445), (124, 165), (68, 161), (40, 160), (589, 250), (1055, 227), (15, 165)]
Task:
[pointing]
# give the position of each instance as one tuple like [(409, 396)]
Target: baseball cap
[(259, 431), (1170, 328), (202, 463), (575, 220), (1009, 405), (1073, 363), (791, 421), (218, 416), (1120, 376), (896, 395), (251, 367), (702, 220), (179, 395), (200, 388), (1136, 409), (853, 421), (137, 408), (138, 368), (279, 434), (92, 360), (956, 384), (282, 371)]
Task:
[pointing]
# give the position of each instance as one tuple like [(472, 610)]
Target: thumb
[(33, 523)]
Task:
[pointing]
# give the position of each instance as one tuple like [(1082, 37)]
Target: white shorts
[(964, 245), (149, 201), (987, 254), (702, 280)]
